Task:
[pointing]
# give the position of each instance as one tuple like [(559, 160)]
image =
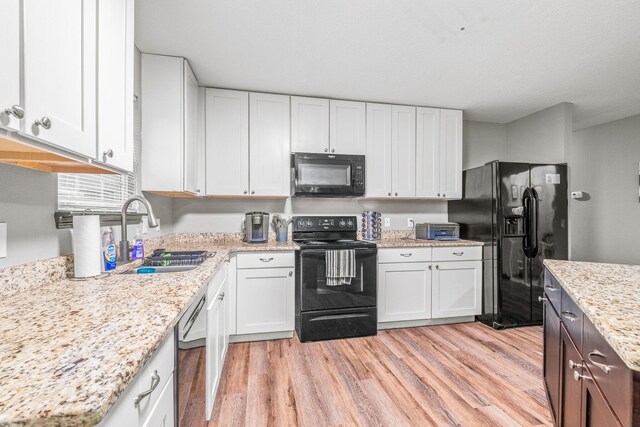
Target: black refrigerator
[(519, 210)]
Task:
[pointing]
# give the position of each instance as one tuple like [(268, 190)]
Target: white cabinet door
[(309, 125), (403, 142), (162, 123), (162, 414), (378, 158), (212, 358), (269, 152), (115, 83), (265, 300), (457, 289), (60, 73), (191, 170), (347, 127), (451, 154), (428, 152), (10, 70), (227, 142), (404, 291)]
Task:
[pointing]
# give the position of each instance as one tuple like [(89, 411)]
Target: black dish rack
[(162, 257)]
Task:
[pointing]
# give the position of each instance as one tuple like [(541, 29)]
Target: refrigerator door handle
[(534, 222), (530, 241)]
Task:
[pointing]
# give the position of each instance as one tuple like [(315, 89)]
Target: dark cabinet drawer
[(552, 290), (571, 316), (610, 373), (596, 411)]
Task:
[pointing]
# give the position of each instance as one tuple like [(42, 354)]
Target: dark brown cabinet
[(596, 411), (571, 384)]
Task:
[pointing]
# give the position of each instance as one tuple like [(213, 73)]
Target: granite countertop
[(417, 243), (69, 348), (609, 295)]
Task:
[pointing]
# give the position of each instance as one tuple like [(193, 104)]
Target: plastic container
[(109, 254)]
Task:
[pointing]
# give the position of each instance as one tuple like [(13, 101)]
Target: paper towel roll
[(87, 249)]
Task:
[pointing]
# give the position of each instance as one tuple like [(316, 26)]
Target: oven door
[(327, 175), (314, 293)]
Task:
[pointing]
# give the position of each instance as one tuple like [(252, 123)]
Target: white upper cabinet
[(347, 125), (378, 158), (403, 143), (191, 151), (428, 152), (439, 153), (309, 125), (169, 125), (451, 154), (60, 73), (269, 147), (10, 105), (227, 142), (115, 83)]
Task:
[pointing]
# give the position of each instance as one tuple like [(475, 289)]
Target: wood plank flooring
[(465, 374)]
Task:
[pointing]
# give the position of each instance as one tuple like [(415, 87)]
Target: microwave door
[(324, 177)]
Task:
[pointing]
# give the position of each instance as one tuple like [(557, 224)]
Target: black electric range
[(325, 311)]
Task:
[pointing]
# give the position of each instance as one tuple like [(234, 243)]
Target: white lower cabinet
[(217, 335), (149, 399), (457, 289), (419, 284), (404, 291)]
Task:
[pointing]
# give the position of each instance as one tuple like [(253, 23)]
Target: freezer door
[(550, 184)]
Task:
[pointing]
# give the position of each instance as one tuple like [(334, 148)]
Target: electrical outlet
[(3, 239), (410, 222), (578, 195), (387, 222)]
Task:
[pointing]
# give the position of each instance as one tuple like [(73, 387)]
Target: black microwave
[(327, 175)]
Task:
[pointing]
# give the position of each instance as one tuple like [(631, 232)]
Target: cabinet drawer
[(552, 290), (610, 373), (404, 255), (162, 363), (571, 316), (265, 260), (458, 253)]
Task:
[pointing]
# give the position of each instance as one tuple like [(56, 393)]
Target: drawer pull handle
[(577, 376), (550, 288), (569, 315), (542, 299), (596, 353), (155, 380), (221, 297), (406, 255), (574, 365), (458, 253), (266, 259)]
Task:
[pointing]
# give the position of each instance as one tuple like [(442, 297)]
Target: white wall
[(604, 163), (540, 137), (482, 143)]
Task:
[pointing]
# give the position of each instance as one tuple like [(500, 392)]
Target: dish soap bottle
[(137, 248), (109, 255)]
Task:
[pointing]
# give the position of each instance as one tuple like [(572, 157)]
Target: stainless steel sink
[(161, 269)]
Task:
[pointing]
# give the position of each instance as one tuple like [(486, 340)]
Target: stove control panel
[(324, 223)]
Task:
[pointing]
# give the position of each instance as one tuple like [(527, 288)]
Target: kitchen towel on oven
[(341, 266)]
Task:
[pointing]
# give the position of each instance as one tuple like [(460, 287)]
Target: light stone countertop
[(69, 348), (609, 295)]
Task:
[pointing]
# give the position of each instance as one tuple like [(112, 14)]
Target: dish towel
[(341, 266)]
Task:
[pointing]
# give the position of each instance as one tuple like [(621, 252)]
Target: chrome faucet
[(153, 223)]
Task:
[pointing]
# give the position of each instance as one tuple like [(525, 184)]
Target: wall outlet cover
[(577, 195), (410, 222), (3, 239), (387, 222)]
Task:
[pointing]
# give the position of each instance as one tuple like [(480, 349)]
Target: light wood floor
[(466, 374)]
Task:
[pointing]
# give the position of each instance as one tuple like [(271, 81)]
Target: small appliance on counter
[(430, 231), (256, 227)]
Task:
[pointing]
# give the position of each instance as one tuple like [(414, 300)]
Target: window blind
[(95, 192)]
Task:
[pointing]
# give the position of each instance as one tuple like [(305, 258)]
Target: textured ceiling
[(511, 59)]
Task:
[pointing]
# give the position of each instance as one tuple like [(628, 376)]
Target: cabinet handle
[(429, 266), (551, 288), (253, 191), (444, 195), (221, 297), (45, 122), (406, 255), (458, 253), (578, 377), (326, 150), (437, 267), (396, 194), (596, 353), (389, 194), (155, 380), (569, 315), (290, 273), (332, 150), (108, 153), (266, 259), (16, 111), (245, 191), (542, 299), (574, 365), (438, 194)]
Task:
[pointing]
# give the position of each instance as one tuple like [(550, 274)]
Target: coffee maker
[(256, 227)]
